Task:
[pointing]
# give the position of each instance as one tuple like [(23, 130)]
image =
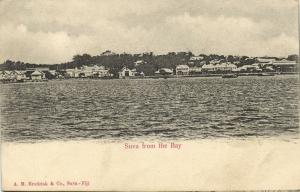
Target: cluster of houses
[(43, 74), (196, 65), (262, 65), (15, 76), (30, 74), (216, 66)]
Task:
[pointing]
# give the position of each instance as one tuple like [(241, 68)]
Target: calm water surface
[(187, 108)]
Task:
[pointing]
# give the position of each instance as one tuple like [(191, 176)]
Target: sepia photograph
[(149, 94)]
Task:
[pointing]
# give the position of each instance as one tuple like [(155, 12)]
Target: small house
[(195, 70), (182, 70), (225, 67), (248, 68), (19, 75), (139, 62), (196, 58), (8, 75), (126, 72), (37, 75), (208, 68)]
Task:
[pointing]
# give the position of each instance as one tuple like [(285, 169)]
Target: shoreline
[(160, 77)]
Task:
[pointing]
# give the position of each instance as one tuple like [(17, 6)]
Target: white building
[(195, 70), (196, 58), (223, 67), (7, 75), (88, 71), (248, 68), (19, 75), (37, 75), (265, 60), (73, 73), (182, 70), (53, 72), (208, 67), (126, 72), (284, 62), (286, 66), (139, 62), (12, 76)]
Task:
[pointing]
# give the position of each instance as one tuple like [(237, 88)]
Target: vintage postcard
[(149, 95)]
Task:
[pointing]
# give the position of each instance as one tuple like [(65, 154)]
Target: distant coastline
[(109, 65)]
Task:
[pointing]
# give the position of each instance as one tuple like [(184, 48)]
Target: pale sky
[(52, 31)]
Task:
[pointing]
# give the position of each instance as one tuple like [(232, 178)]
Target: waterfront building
[(7, 75), (249, 68), (231, 67), (12, 76), (88, 70), (19, 75), (225, 67), (49, 74), (94, 71), (41, 69), (286, 66), (182, 70), (208, 68), (126, 72), (195, 70), (265, 60), (4, 76), (73, 73), (37, 75)]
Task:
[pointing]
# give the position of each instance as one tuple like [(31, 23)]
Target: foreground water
[(183, 108)]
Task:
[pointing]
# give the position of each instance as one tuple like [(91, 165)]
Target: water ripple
[(190, 108)]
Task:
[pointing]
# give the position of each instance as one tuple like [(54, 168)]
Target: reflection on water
[(186, 108)]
